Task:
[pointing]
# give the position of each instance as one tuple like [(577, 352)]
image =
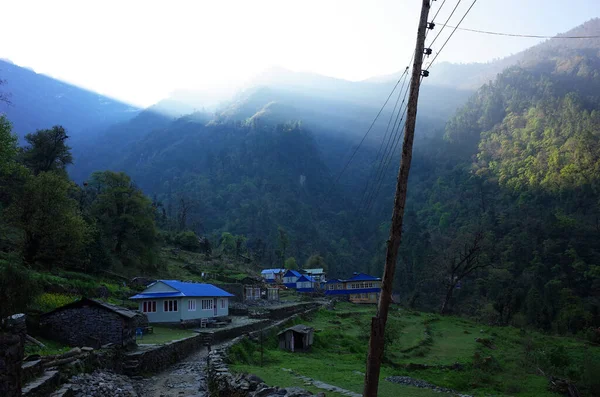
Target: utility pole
[(376, 342)]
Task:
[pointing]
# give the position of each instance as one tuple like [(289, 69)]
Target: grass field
[(505, 361), (163, 335)]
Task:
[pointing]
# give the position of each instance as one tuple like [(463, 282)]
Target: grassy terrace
[(504, 362), (162, 335)]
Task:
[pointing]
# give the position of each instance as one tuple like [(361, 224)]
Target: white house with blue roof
[(290, 277), (172, 301), (272, 275), (306, 283)]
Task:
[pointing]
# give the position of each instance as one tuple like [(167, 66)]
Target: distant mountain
[(39, 101), (471, 76)]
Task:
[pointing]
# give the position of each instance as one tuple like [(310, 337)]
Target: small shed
[(296, 338), (89, 322)]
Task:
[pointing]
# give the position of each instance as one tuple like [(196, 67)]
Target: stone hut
[(89, 322), (296, 338)]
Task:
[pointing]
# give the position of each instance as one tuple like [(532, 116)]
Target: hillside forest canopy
[(502, 219)]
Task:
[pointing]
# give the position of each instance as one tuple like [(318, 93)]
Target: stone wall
[(88, 326), (222, 383), (12, 342), (156, 359)]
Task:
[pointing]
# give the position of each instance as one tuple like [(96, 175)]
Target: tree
[(185, 206), (4, 97), (54, 232), (461, 264), (291, 264), (17, 288), (284, 242), (125, 218), (47, 150), (8, 145), (316, 261)]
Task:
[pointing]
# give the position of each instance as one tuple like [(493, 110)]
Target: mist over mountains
[(509, 149)]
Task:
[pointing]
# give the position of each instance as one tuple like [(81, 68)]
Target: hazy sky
[(139, 51)]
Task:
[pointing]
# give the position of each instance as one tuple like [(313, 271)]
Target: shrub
[(49, 301), (17, 288)]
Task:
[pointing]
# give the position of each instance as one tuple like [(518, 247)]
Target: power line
[(535, 36), (438, 11), (451, 34), (381, 150), (367, 133), (384, 166), (444, 24)]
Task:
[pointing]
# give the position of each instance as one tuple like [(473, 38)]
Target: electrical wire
[(444, 24), (451, 34), (535, 36)]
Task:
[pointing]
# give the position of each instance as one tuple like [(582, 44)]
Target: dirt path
[(187, 378)]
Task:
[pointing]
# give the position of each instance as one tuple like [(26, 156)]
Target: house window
[(170, 306), (192, 305), (207, 304), (149, 306), (222, 303)]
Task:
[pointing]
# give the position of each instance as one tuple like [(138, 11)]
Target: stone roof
[(300, 328), (122, 311)]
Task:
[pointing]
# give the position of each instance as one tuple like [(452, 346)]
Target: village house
[(172, 301), (272, 275), (290, 277), (317, 274), (89, 322), (306, 283), (360, 288)]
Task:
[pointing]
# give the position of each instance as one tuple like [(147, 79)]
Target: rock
[(265, 391), (254, 379), (87, 349)]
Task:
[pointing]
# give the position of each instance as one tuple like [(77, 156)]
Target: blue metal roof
[(293, 273), (351, 291), (269, 271), (363, 277), (333, 280), (305, 278), (184, 289), (154, 295)]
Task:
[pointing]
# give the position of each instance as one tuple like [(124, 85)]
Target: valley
[(497, 283)]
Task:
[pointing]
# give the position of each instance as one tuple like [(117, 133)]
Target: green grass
[(162, 335), (509, 368), (52, 348)]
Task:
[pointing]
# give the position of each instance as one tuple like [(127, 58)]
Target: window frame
[(192, 305), (170, 306)]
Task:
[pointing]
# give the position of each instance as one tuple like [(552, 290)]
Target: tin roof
[(184, 289)]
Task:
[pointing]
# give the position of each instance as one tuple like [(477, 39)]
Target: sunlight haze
[(140, 51)]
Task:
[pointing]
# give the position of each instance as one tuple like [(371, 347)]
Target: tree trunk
[(446, 302)]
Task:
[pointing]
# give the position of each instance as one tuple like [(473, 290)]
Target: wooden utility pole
[(376, 343)]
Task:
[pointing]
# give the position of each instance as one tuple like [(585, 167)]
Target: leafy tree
[(17, 288), (316, 261), (187, 240), (54, 232), (125, 218), (228, 242), (291, 264), (47, 150), (8, 145)]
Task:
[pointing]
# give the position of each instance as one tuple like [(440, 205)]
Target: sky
[(141, 51)]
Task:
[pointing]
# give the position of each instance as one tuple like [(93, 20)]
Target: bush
[(17, 288), (50, 301), (187, 240)]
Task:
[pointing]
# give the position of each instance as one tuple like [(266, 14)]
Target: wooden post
[(376, 342)]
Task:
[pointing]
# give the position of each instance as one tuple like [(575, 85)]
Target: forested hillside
[(503, 213)]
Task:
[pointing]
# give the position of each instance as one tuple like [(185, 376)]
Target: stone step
[(43, 385), (31, 370), (64, 391)]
